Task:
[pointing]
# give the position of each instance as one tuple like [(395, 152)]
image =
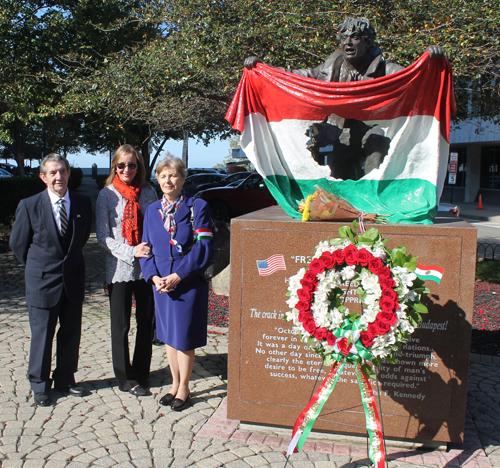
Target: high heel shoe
[(165, 400), (179, 405)]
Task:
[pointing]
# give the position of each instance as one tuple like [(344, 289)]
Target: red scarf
[(132, 215)]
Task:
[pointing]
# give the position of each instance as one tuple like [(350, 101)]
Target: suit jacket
[(165, 259), (50, 265), (330, 69)]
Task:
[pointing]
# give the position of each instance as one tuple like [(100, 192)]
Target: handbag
[(221, 247)]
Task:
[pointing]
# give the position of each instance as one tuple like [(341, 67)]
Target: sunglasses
[(122, 166)]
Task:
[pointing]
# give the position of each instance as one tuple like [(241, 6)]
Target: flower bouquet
[(323, 205)]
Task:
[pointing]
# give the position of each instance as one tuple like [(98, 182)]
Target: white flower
[(336, 318), (294, 281), (369, 316), (348, 272), (412, 296), (292, 301), (371, 283)]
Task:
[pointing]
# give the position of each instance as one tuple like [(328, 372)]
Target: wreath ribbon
[(310, 413)]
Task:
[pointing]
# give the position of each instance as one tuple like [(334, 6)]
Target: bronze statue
[(358, 148)]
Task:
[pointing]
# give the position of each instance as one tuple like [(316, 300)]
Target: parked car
[(4, 173), (10, 168), (239, 198), (202, 170), (193, 181), (239, 176)]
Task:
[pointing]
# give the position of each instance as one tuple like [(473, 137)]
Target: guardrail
[(488, 251)]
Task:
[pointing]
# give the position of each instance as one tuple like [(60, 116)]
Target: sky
[(199, 155)]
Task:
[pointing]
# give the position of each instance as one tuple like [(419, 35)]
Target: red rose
[(350, 254), (364, 257), (311, 287), (375, 264), (309, 277), (316, 266), (304, 316), (389, 294), (382, 326), (321, 333), (366, 338), (328, 260), (310, 326), (387, 304), (384, 273), (387, 283), (338, 256), (305, 294), (374, 329), (303, 306), (331, 339), (387, 317)]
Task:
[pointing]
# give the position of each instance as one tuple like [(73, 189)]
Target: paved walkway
[(109, 428)]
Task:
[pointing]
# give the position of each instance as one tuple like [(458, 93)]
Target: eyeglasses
[(122, 166)]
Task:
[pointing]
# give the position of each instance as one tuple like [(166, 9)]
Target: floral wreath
[(390, 294), (389, 291)]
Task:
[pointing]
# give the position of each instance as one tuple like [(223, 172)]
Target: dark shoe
[(157, 342), (165, 400), (179, 405), (72, 389), (138, 390), (42, 399)]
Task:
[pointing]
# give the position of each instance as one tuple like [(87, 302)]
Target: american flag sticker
[(269, 266)]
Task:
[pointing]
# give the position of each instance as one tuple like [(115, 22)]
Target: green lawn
[(488, 271)]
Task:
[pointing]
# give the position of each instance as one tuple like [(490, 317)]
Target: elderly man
[(358, 148), (48, 236)]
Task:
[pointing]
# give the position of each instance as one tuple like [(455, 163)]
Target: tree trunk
[(19, 146)]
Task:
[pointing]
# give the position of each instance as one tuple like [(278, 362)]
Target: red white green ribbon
[(203, 233), (307, 418), (373, 422)]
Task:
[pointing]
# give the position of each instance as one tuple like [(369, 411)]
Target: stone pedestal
[(272, 374)]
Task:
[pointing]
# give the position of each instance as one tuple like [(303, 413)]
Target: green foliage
[(488, 271), (12, 191)]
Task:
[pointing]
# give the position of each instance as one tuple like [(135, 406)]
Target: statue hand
[(250, 62), (436, 51)]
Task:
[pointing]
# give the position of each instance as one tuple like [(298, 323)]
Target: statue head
[(357, 37)]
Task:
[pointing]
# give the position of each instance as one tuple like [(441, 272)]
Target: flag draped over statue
[(274, 109)]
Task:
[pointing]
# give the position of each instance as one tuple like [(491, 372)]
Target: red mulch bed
[(486, 319)]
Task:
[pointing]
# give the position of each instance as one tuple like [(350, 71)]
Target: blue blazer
[(36, 243), (165, 259)]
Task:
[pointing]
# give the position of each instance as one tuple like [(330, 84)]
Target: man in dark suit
[(48, 236)]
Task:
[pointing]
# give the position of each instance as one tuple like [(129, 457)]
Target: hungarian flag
[(274, 110)]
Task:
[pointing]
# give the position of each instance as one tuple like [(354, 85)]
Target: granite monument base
[(272, 374)]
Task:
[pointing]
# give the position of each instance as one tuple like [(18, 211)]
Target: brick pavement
[(110, 428)]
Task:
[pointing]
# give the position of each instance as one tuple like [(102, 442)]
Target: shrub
[(12, 191), (75, 178), (100, 180)]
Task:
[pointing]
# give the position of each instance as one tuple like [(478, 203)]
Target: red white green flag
[(273, 109), (429, 272)]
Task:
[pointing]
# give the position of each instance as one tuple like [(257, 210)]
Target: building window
[(490, 167)]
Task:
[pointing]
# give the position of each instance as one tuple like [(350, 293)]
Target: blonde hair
[(141, 170), (174, 163)]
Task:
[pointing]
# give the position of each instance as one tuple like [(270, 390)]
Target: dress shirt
[(54, 201)]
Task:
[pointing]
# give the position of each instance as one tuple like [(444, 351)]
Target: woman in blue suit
[(177, 254)]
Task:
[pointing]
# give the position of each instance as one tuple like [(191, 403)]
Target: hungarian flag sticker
[(429, 272)]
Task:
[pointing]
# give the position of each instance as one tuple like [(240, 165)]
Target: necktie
[(63, 216)]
